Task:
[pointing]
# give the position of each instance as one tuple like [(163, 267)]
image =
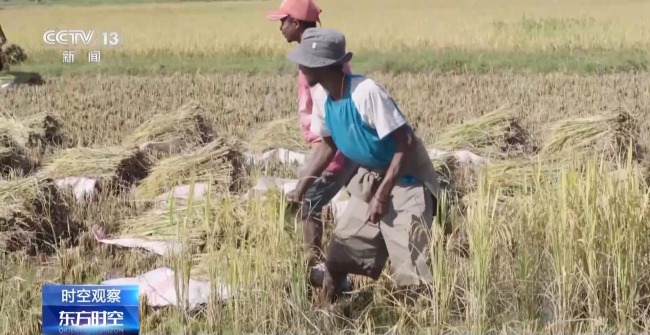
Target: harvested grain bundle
[(513, 176), (176, 223), (219, 162), (185, 128), (12, 54), (183, 193), (610, 134), (33, 215), (14, 154), (114, 167), (499, 129), (45, 129), (516, 176), (283, 133), (453, 167), (15, 129)]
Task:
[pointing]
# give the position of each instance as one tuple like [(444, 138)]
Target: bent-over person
[(393, 194)]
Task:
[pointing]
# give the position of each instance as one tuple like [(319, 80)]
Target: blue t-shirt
[(360, 123)]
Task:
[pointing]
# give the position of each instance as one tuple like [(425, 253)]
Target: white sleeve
[(381, 111), (318, 126)]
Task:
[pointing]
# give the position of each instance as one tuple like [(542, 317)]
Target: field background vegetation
[(574, 35), (569, 257)]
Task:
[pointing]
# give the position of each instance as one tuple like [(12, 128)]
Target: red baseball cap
[(304, 10)]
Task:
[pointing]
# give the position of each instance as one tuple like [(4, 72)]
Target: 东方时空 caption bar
[(90, 309)]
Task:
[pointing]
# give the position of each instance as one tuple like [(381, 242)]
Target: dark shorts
[(325, 188)]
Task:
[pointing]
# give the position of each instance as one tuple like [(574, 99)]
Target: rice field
[(567, 35), (198, 29), (548, 237)]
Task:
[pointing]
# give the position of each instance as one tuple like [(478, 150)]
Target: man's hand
[(324, 152), (377, 208), (294, 197)]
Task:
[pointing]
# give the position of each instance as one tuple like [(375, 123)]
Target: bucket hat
[(320, 47)]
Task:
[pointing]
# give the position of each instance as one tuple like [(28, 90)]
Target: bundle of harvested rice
[(283, 133), (33, 215), (12, 54), (517, 176), (14, 155), (185, 128), (496, 132), (220, 162), (453, 166), (183, 193), (179, 222), (610, 134), (114, 167), (45, 129), (17, 130)]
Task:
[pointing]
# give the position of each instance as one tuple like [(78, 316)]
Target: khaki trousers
[(403, 235)]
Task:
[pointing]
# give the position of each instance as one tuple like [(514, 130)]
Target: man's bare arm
[(324, 154), (405, 147)]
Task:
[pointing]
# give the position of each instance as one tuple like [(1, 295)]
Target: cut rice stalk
[(12, 54), (512, 176), (609, 134), (174, 223), (45, 129), (454, 166), (33, 215), (15, 129), (220, 163), (493, 133), (14, 155), (282, 133), (188, 127), (517, 176), (111, 166)]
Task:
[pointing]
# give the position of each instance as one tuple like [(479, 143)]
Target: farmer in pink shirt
[(295, 16)]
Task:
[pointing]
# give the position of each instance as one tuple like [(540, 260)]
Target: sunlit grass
[(240, 28)]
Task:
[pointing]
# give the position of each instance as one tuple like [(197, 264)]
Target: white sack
[(158, 247), (265, 184), (182, 193), (158, 286), (281, 155), (82, 187), (164, 147), (461, 156)]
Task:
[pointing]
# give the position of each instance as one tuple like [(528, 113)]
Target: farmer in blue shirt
[(395, 191)]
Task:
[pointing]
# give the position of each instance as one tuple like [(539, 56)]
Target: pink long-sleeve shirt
[(304, 107)]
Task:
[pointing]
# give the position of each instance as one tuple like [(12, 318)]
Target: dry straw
[(45, 129), (174, 223), (12, 54), (186, 128), (33, 215), (610, 134), (521, 176), (497, 132), (513, 176), (113, 167), (14, 151), (18, 130), (219, 163), (282, 133)]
